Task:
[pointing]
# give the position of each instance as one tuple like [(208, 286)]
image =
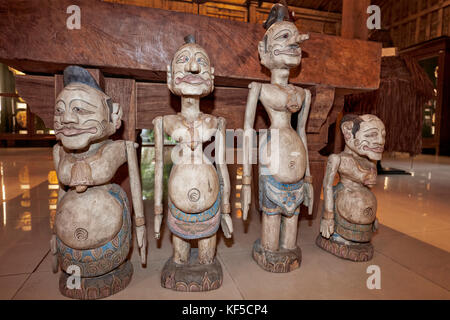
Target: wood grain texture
[(139, 42), (320, 107), (354, 17), (39, 93)]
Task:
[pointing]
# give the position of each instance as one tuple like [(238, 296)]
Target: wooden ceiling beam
[(137, 42)]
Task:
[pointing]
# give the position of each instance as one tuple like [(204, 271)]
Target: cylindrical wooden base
[(192, 276), (98, 287), (358, 252), (280, 261)]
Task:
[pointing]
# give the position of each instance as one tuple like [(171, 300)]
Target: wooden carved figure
[(349, 216), (198, 192), (284, 176), (92, 232)]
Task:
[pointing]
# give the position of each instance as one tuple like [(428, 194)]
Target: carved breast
[(358, 170), (276, 97), (192, 133), (94, 169), (88, 220)]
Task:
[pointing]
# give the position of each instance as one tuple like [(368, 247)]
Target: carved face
[(369, 140), (280, 48), (191, 73), (82, 116)]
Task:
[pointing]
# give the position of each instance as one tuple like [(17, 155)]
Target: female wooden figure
[(92, 223), (284, 175), (349, 216), (198, 192)]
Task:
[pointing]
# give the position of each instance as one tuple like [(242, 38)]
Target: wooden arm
[(135, 183), (222, 165), (332, 168), (249, 120), (301, 126)]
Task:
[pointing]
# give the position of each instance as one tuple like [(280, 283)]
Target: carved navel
[(368, 212), (194, 195), (81, 234)]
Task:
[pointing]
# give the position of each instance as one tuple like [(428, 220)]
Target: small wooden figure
[(198, 192), (349, 216), (92, 233), (284, 176)]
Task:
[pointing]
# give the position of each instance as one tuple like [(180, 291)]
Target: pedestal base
[(280, 261), (192, 277), (358, 252), (98, 287)]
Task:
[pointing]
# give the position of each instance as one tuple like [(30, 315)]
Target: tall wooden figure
[(349, 216), (93, 224), (284, 175), (198, 192)]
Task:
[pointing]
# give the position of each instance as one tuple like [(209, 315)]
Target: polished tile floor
[(411, 248)]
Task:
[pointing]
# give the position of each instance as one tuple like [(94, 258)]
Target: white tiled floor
[(412, 245), (417, 205)]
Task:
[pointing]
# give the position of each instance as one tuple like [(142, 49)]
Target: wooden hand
[(246, 196), (326, 227), (309, 197), (141, 236), (227, 225)]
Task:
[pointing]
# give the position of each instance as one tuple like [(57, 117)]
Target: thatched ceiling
[(323, 5)]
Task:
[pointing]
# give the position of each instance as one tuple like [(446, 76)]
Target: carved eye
[(284, 36), (77, 110), (371, 135), (81, 111), (202, 62), (183, 59), (59, 111)]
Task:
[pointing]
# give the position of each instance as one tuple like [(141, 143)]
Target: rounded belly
[(357, 206), (193, 188), (88, 220), (285, 156)]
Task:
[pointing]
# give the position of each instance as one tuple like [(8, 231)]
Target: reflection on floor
[(412, 246)]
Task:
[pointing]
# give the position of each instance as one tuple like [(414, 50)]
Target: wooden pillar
[(354, 19)]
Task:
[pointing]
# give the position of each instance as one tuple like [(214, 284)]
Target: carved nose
[(301, 37), (192, 67), (68, 117)]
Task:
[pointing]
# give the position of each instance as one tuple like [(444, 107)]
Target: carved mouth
[(289, 52), (376, 150), (71, 131), (192, 79)]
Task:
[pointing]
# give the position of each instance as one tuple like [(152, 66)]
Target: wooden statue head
[(364, 135), (84, 114), (190, 73), (280, 48)]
